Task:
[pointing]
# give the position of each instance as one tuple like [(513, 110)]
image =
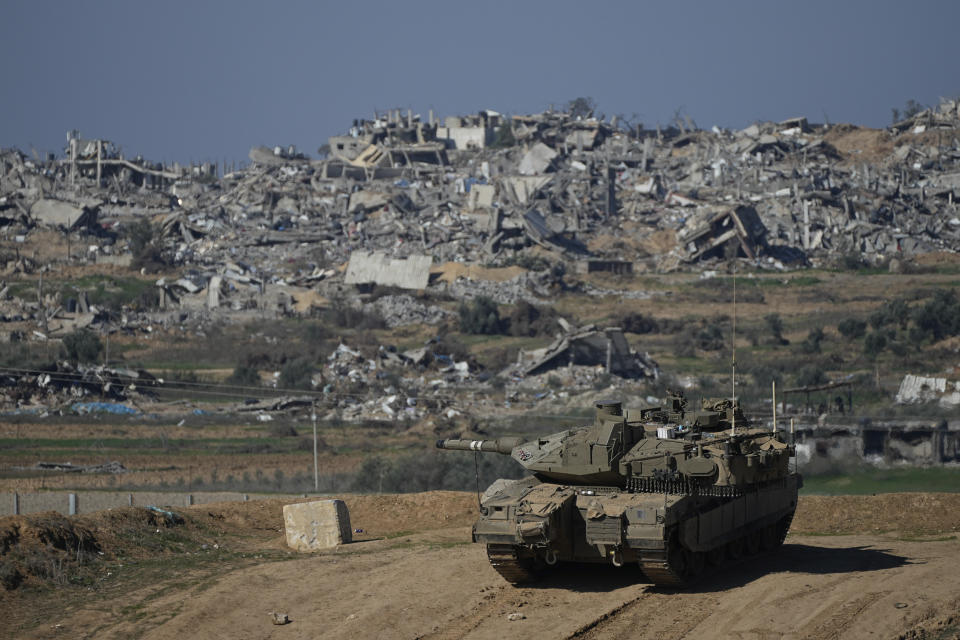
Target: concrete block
[(321, 524)]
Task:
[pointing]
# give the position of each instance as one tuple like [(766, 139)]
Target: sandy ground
[(434, 584), (816, 587)]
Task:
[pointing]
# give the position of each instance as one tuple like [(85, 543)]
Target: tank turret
[(667, 486)]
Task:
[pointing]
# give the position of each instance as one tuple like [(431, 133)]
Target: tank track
[(506, 561), (659, 571), (663, 569)]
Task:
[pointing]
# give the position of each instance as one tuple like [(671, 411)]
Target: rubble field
[(467, 275)]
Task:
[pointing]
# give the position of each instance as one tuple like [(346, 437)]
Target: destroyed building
[(398, 198)]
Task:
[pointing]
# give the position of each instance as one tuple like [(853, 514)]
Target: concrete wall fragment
[(312, 526)]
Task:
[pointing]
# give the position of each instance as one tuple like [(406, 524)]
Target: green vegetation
[(482, 315), (427, 471), (144, 242), (297, 374), (244, 376), (851, 328), (943, 479), (503, 137), (83, 346), (582, 107)]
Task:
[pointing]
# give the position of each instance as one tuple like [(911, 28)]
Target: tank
[(670, 488)]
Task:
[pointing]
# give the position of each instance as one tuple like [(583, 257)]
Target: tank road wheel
[(752, 542), (734, 549), (768, 537), (513, 563), (717, 555)]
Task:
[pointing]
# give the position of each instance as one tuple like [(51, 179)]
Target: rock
[(513, 617), (312, 526), (280, 618)]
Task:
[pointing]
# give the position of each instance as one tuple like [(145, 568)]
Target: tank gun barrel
[(500, 445)]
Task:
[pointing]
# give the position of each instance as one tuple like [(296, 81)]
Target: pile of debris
[(466, 206), (63, 384)]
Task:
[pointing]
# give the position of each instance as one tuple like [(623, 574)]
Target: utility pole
[(316, 474)]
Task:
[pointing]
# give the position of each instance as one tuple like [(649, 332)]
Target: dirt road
[(880, 566), (431, 585)]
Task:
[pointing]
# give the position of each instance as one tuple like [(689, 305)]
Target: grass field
[(932, 479)]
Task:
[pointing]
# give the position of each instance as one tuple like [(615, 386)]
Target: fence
[(73, 502)]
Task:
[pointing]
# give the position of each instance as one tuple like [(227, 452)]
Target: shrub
[(504, 137), (710, 338), (874, 344), (481, 316), (530, 320), (811, 375), (938, 318), (775, 327), (297, 374), (811, 343), (83, 345), (244, 376), (894, 312), (852, 329), (638, 323), (343, 316), (144, 245)]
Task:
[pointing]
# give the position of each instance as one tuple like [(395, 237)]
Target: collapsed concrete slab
[(56, 213), (593, 347), (537, 160), (919, 389), (740, 229), (313, 526), (412, 272)]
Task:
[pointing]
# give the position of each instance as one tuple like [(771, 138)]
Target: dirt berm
[(852, 567)]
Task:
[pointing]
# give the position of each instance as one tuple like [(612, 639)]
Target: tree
[(710, 338), (503, 137), (896, 311), (297, 374), (481, 316), (581, 107), (811, 343), (874, 343), (851, 328), (810, 376), (83, 345), (244, 376), (144, 245), (775, 326), (938, 318)]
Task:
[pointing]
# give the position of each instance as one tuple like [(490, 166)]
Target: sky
[(203, 81)]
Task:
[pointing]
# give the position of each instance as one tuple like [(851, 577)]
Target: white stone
[(321, 524)]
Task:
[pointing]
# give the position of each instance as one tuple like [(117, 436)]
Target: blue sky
[(204, 81)]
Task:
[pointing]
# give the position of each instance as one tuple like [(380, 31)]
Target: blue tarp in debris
[(103, 407)]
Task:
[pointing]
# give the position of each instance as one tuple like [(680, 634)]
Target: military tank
[(670, 488)]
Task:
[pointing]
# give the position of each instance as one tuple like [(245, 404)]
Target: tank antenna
[(773, 384), (733, 351)]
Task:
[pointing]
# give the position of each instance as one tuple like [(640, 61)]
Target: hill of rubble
[(488, 188), (401, 218)]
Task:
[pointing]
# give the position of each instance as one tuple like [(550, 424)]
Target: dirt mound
[(905, 513), (377, 515), (860, 144), (51, 547), (36, 547)]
